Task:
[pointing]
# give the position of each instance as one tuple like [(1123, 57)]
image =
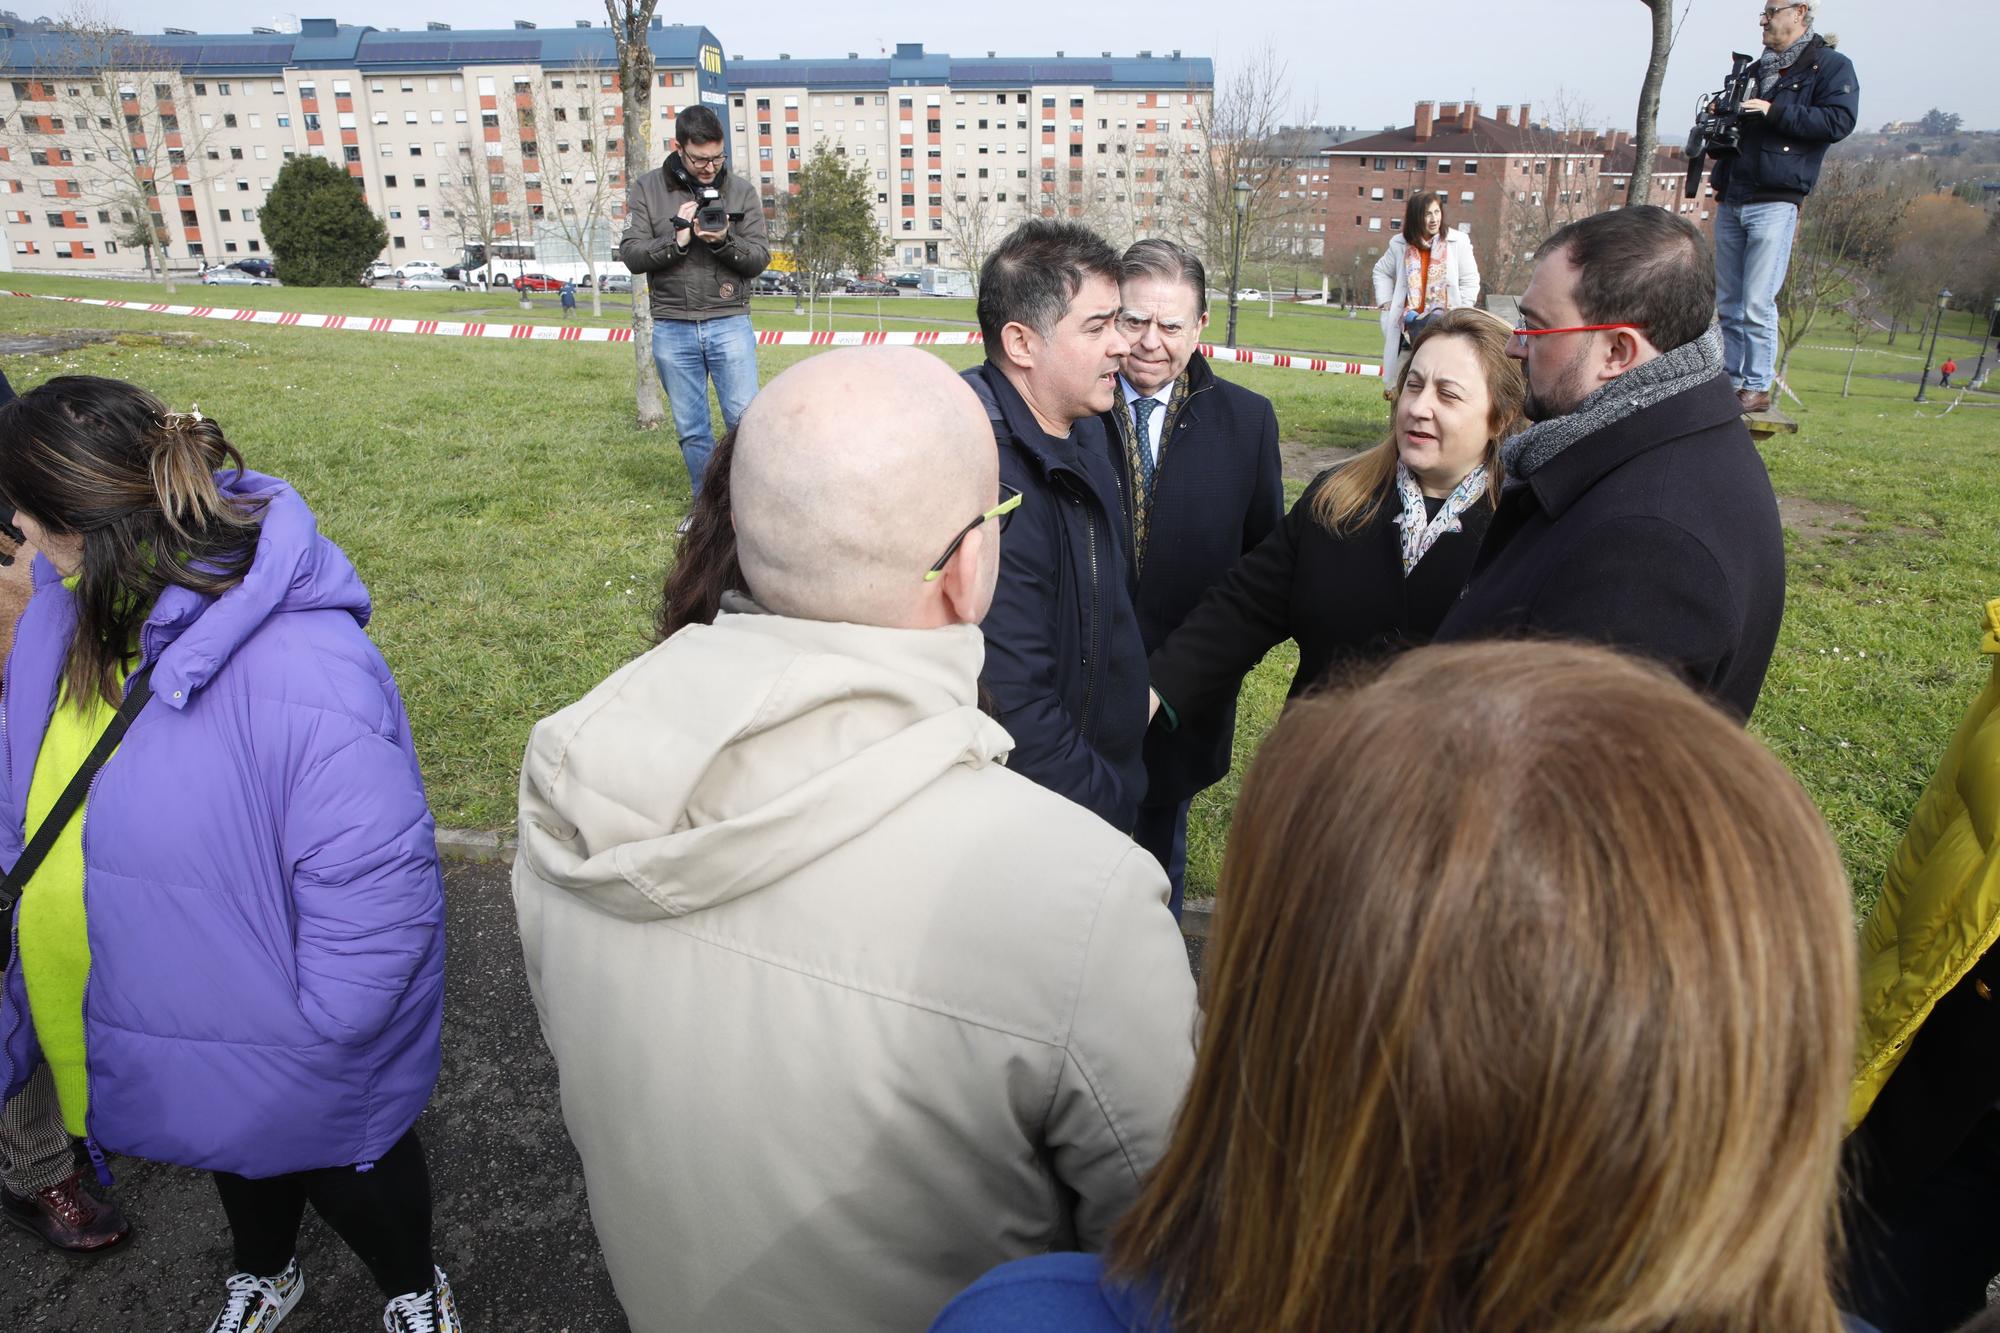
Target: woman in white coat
[(1426, 271)]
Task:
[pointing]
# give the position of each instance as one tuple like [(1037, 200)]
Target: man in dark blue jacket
[(1064, 660), (1807, 100), (1201, 483), (1636, 511)]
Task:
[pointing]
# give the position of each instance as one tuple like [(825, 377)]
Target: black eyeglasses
[(1010, 500), (1771, 12)]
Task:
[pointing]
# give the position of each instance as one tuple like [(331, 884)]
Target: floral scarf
[(1436, 294), (1421, 533)]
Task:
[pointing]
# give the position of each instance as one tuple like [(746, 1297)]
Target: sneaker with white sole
[(432, 1311), (260, 1304)]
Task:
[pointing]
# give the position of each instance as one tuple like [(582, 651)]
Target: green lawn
[(514, 528)]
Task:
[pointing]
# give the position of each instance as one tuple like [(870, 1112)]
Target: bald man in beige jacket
[(846, 1013)]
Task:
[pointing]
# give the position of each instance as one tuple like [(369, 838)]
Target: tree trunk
[(635, 77), (1646, 134), (596, 289), (1847, 385)]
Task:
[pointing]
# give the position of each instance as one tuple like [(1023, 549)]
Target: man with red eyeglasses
[(1635, 511)]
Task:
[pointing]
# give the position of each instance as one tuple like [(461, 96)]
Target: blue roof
[(323, 43), (913, 66)]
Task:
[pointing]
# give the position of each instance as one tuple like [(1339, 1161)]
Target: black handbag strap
[(138, 690)]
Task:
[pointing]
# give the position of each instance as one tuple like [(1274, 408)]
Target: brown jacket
[(702, 281)]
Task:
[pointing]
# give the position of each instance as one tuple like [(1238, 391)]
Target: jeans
[(1753, 250), (1162, 830), (689, 353)]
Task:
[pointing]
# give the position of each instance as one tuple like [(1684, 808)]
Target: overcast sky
[(1351, 64)]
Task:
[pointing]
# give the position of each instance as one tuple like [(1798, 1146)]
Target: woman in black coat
[(1376, 550)]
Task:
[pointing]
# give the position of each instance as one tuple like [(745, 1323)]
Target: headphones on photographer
[(678, 173)]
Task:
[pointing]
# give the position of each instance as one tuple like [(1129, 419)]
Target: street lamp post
[(1943, 300), (1992, 322), (1241, 193)]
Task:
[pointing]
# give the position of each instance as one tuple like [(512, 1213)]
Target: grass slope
[(514, 528)]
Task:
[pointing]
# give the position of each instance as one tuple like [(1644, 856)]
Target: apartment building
[(434, 125), (1507, 180), (958, 150)]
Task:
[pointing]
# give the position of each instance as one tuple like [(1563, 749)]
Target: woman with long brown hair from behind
[(1530, 1010)]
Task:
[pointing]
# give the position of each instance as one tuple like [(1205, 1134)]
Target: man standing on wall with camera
[(697, 232), (1807, 98)]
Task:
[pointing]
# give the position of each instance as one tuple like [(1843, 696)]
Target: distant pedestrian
[(568, 298), (241, 969), (1945, 372)]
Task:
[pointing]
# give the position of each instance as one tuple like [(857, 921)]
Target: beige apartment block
[(957, 149), (199, 125)]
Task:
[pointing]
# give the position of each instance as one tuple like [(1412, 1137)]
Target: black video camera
[(1718, 120), (713, 215)]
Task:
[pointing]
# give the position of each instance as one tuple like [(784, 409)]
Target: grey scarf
[(1772, 65), (1634, 391)]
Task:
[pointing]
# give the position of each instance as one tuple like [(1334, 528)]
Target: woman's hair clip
[(182, 420)]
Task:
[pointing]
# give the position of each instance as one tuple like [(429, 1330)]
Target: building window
[(1472, 168)]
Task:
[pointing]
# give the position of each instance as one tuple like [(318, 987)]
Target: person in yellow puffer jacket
[(1924, 1154)]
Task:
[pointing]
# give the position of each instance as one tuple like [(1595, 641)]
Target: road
[(512, 1225), (511, 1222)]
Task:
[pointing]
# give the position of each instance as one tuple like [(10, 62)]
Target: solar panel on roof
[(501, 50), (403, 51), (266, 53), (998, 73)]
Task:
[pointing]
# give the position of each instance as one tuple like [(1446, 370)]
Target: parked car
[(377, 272), (427, 283), (615, 282), (224, 276), (871, 287), (537, 282), (1249, 294), (419, 268), (773, 284), (260, 266), (908, 280)]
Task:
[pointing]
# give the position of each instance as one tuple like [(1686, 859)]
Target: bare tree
[(975, 222), (576, 133), (1561, 186), (112, 114), (1646, 134), (631, 20), (466, 193), (1851, 225), (1253, 135)]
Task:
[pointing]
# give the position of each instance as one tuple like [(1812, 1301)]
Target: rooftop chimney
[(1145, 55), (1425, 112), (1176, 55), (1446, 113), (659, 22), (583, 23), (1505, 114), (523, 24), (318, 27), (265, 32), (1467, 117), (437, 27), (854, 55), (909, 50), (178, 32), (1523, 121)]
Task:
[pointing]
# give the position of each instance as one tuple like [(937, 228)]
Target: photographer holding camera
[(697, 232), (1805, 99)]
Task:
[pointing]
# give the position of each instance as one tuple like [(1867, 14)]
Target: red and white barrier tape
[(572, 333)]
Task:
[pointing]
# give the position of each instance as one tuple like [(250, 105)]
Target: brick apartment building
[(413, 116), (1507, 180), (1102, 137)]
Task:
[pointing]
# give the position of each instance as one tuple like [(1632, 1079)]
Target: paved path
[(512, 1224), (512, 1229)]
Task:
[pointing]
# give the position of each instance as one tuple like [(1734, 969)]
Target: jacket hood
[(1007, 409), (189, 636), (734, 754)]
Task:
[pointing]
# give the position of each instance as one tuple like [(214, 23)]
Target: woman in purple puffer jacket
[(233, 958)]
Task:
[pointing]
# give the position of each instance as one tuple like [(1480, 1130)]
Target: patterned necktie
[(1142, 414)]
